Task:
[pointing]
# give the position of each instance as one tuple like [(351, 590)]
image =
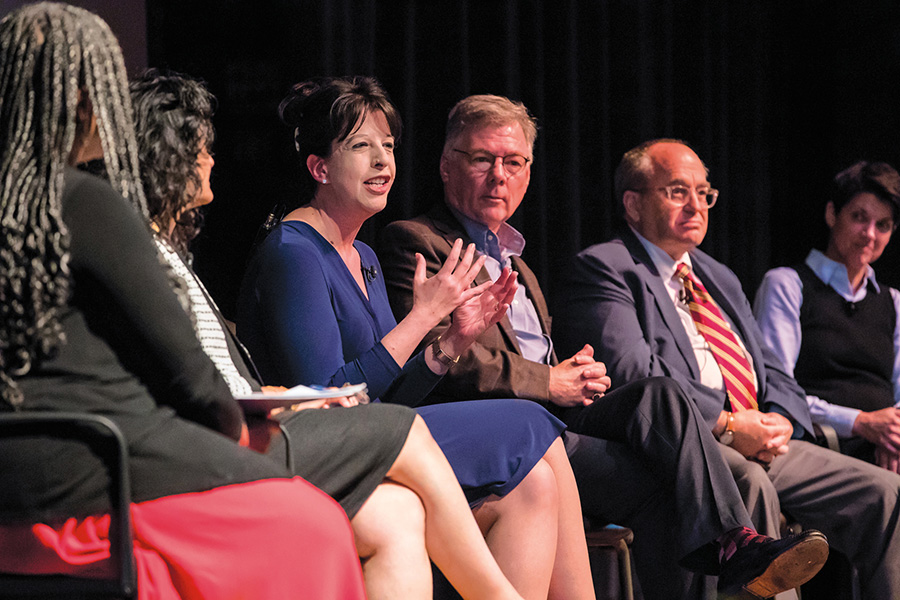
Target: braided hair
[(49, 53)]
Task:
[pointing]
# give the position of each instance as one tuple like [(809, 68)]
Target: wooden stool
[(608, 549)]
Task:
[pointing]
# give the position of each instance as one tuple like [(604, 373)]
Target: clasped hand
[(761, 436), (887, 459), (881, 427), (577, 380)]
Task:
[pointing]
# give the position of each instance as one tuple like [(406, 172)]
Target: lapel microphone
[(370, 273)]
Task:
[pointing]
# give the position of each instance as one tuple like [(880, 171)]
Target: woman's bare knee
[(536, 497), (538, 489), (392, 517)]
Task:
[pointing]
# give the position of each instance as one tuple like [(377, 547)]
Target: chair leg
[(625, 578), (611, 561)]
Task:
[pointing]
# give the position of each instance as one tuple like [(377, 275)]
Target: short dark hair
[(173, 121), (330, 109), (878, 178)]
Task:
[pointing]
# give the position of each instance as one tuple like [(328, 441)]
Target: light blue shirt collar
[(834, 274), (507, 242), (534, 344)]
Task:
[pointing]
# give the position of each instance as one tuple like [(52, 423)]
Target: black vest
[(847, 351)]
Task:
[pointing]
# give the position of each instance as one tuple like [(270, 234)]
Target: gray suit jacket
[(494, 366), (616, 301)]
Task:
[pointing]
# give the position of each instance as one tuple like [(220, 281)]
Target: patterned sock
[(731, 541)]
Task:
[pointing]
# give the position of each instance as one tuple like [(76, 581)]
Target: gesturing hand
[(436, 297), (475, 315)]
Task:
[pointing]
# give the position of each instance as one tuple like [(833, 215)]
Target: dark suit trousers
[(656, 468), (855, 504)]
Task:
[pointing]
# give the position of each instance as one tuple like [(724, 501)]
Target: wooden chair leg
[(606, 540), (625, 576)]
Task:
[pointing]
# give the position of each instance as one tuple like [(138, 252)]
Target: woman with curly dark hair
[(89, 323), (173, 114), (379, 461)]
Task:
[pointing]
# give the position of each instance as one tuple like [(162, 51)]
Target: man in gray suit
[(651, 304)]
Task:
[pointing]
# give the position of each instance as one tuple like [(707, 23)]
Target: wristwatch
[(441, 356), (727, 436)]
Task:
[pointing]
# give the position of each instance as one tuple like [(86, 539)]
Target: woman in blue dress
[(313, 309)]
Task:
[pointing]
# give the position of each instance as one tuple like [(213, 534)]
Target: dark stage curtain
[(776, 97)]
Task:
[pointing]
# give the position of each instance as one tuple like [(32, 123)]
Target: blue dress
[(305, 320)]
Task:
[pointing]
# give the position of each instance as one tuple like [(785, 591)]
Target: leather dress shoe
[(768, 568)]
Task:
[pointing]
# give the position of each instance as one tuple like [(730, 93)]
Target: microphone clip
[(370, 273)]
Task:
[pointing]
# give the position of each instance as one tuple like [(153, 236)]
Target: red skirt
[(269, 539)]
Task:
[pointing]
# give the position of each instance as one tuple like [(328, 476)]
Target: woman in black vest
[(835, 327)]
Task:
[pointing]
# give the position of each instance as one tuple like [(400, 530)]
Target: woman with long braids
[(89, 323), (379, 461)]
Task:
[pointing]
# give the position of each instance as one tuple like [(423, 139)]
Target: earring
[(324, 181)]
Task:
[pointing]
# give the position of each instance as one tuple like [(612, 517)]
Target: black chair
[(103, 435), (826, 436)]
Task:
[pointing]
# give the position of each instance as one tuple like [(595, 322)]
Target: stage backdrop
[(775, 96), (127, 19)]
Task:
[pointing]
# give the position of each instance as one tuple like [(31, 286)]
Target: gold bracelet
[(441, 356)]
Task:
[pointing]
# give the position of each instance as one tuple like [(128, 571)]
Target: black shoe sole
[(792, 568)]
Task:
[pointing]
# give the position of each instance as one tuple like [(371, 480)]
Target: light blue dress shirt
[(535, 345), (777, 309)]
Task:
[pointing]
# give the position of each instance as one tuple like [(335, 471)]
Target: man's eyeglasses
[(482, 161), (679, 195)]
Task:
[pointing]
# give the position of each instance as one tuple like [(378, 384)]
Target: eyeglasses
[(679, 195), (482, 161)]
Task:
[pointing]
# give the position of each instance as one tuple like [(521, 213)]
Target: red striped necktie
[(722, 342)]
